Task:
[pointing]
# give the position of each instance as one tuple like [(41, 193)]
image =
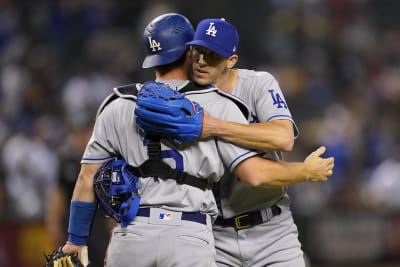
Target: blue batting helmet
[(165, 39)]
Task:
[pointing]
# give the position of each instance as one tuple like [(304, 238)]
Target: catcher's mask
[(117, 191), (165, 39)]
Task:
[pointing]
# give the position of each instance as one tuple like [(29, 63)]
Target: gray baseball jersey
[(115, 134), (274, 241), (261, 92)]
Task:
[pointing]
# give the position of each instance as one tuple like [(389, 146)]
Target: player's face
[(207, 65)]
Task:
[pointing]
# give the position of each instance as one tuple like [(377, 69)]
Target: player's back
[(115, 133)]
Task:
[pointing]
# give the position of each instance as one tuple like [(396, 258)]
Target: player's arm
[(83, 190), (258, 171), (277, 135), (83, 206)]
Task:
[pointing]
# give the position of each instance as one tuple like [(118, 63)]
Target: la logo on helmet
[(154, 45)]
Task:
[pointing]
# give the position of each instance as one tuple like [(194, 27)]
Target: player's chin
[(201, 78)]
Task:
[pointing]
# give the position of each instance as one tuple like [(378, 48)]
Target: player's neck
[(227, 80), (172, 74)]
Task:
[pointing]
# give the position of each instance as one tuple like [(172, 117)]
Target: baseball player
[(255, 226), (173, 224)]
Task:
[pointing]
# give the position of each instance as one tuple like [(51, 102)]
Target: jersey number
[(170, 154), (173, 154)]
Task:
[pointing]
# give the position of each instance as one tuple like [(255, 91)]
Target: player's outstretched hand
[(318, 168)]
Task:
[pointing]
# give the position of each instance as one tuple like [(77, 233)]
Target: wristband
[(80, 221)]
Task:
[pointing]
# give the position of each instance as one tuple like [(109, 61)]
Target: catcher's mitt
[(59, 259), (164, 112)]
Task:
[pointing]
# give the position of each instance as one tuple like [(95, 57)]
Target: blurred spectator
[(381, 189), (30, 166)]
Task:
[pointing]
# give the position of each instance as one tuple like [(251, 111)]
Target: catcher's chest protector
[(154, 166), (131, 91)]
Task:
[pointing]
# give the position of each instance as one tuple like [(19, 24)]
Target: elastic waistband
[(186, 216), (250, 219)]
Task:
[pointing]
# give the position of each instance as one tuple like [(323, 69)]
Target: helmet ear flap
[(117, 191)]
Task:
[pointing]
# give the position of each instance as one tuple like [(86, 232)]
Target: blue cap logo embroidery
[(211, 30)]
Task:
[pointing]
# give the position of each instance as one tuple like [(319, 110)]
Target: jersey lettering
[(154, 45), (278, 100), (211, 30)]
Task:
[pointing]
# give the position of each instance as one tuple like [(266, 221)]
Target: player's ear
[(189, 54), (231, 62), (190, 51)]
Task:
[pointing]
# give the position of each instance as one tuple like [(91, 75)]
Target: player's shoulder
[(244, 108), (255, 81), (260, 75), (218, 95), (129, 91), (120, 94)]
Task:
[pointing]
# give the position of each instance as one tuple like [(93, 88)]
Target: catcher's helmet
[(117, 190), (165, 39)]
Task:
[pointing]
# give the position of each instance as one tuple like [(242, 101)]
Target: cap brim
[(216, 49)]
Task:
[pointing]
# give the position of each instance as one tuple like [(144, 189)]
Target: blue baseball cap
[(217, 35)]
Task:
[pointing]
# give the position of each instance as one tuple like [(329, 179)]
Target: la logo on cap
[(217, 35), (211, 30)]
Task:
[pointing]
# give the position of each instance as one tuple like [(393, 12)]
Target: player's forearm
[(272, 173), (258, 171), (83, 190), (284, 173), (262, 136), (83, 206)]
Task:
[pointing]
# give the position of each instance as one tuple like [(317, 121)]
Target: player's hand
[(80, 251), (68, 256), (318, 168)]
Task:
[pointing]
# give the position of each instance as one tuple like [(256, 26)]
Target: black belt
[(250, 219), (186, 216)]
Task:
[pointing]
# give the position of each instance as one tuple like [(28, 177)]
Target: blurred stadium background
[(338, 63)]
